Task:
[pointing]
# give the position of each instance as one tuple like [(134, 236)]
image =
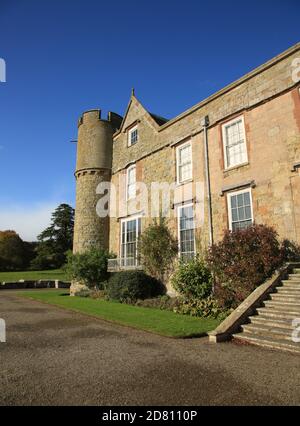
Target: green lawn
[(157, 321), (54, 274)]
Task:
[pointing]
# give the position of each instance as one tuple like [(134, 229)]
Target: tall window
[(131, 182), (240, 209), (132, 135), (234, 141), (186, 232), (130, 231), (184, 162)]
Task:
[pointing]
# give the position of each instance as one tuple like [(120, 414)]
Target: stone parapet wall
[(28, 284)]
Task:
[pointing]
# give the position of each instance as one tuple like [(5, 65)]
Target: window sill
[(132, 144), (184, 182), (238, 166)]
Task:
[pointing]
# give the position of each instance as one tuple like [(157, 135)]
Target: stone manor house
[(242, 143)]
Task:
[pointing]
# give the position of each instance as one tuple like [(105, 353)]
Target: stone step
[(272, 313), (268, 342), (291, 283), (272, 322), (283, 306), (280, 297), (294, 277), (267, 331), (296, 270), (288, 291)]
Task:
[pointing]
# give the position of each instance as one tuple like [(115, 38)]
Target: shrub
[(203, 308), (290, 251), (98, 294), (243, 260), (192, 279), (89, 267), (164, 302), (158, 249), (130, 286)]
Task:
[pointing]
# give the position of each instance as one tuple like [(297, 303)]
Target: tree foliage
[(56, 240), (13, 251)]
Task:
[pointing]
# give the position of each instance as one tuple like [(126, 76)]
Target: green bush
[(192, 279), (89, 267), (158, 248), (99, 294), (164, 302), (204, 308), (242, 261), (130, 286)]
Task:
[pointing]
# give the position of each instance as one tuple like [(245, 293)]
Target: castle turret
[(94, 161)]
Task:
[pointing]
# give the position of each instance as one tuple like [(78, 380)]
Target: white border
[(230, 194), (132, 166), (178, 227), (178, 148), (129, 135), (127, 219), (224, 125)]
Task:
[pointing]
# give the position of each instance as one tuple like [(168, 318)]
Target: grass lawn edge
[(112, 321), (27, 275)]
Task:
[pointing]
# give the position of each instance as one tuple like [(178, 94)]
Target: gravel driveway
[(53, 356)]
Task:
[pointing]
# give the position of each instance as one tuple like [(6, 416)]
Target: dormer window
[(133, 136)]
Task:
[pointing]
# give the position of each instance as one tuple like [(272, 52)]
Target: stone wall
[(90, 230), (273, 144), (22, 284), (265, 82), (269, 100)]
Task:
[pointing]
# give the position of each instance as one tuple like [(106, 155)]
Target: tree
[(158, 249), (12, 251), (56, 240)]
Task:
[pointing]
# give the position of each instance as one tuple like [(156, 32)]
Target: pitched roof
[(159, 120)]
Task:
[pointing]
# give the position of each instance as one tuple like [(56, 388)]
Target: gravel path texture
[(57, 357)]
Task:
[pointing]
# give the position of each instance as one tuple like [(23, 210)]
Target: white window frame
[(179, 208), (178, 165), (229, 195), (132, 197), (125, 220), (224, 126), (130, 131)]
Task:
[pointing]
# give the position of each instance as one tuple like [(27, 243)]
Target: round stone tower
[(94, 161)]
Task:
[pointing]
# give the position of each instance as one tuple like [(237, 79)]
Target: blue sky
[(64, 57)]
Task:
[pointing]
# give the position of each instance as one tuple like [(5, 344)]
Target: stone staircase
[(272, 327)]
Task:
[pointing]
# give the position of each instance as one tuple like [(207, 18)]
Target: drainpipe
[(205, 124)]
